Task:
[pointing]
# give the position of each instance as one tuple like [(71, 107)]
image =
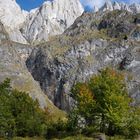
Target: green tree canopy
[(104, 103), (19, 114)]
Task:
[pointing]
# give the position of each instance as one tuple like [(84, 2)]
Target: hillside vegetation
[(102, 106)]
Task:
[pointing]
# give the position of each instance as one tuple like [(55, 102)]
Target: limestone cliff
[(52, 18), (93, 42), (12, 65), (12, 18)]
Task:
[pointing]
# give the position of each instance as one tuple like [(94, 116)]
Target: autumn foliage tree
[(104, 103), (113, 102), (84, 100)]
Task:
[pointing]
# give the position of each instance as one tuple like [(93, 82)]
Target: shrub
[(104, 104), (56, 129), (19, 114)]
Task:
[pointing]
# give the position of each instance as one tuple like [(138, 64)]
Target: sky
[(88, 4), (29, 4)]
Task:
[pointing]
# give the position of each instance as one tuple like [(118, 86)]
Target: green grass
[(25, 138), (79, 137), (28, 138)]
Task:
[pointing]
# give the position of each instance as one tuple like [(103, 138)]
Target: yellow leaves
[(84, 99), (104, 101), (85, 94)]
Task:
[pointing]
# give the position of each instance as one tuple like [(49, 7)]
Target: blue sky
[(30, 4)]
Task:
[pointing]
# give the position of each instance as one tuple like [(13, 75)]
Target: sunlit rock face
[(12, 65), (95, 41), (89, 42), (52, 18), (110, 6), (12, 18)]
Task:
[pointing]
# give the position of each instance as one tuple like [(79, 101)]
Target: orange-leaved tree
[(103, 102)]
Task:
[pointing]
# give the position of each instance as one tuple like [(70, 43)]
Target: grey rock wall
[(83, 51)]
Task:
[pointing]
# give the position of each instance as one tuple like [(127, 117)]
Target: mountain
[(95, 41), (52, 18), (135, 8), (78, 49), (15, 48), (12, 65), (110, 6), (12, 18)]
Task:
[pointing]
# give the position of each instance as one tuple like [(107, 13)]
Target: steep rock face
[(52, 18), (110, 6), (83, 50), (135, 8), (12, 65), (116, 25), (12, 18), (136, 34)]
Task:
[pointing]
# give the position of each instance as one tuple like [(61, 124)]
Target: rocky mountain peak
[(94, 42), (135, 8), (110, 6), (52, 18), (96, 8), (12, 18), (11, 14), (116, 5), (107, 6)]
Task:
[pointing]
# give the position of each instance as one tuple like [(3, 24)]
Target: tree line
[(101, 104)]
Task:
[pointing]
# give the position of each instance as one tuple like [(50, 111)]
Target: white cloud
[(92, 3)]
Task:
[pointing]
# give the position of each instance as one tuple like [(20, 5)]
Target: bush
[(19, 114), (56, 129), (104, 104), (89, 131)]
